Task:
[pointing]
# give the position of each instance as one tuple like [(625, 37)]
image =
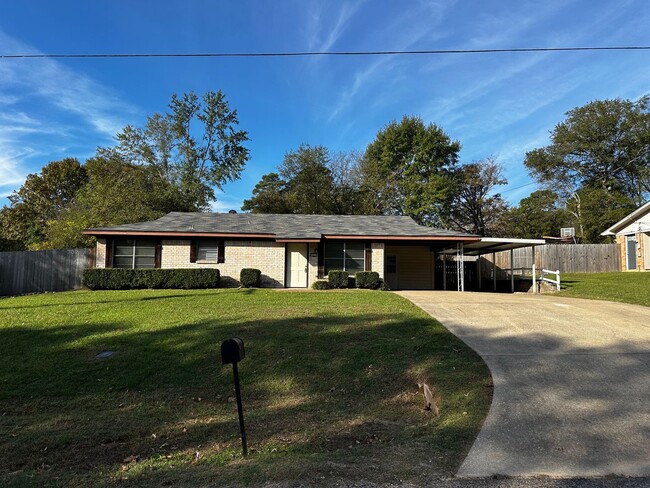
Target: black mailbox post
[(232, 351)]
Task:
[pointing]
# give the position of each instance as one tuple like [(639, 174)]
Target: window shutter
[(368, 258), (193, 250), (221, 252), (158, 254), (108, 257), (321, 260)]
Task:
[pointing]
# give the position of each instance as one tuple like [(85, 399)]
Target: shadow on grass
[(117, 299), (333, 391)]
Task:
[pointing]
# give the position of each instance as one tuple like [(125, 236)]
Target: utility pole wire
[(324, 53)]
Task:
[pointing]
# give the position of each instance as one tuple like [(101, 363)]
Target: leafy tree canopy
[(310, 180), (538, 215), (116, 193), (604, 144), (40, 199), (475, 208), (409, 169), (195, 146)]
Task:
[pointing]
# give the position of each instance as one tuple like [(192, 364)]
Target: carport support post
[(534, 272), (494, 271), (512, 271), (478, 271), (444, 270)]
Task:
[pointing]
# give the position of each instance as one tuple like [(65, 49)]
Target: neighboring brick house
[(290, 250), (633, 239)]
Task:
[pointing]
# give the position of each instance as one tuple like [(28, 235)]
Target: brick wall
[(639, 250), (312, 263), (100, 253), (267, 256), (377, 261)]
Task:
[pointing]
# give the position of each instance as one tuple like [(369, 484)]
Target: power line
[(507, 190), (322, 53)]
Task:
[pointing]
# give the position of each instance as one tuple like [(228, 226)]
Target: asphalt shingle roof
[(285, 226)]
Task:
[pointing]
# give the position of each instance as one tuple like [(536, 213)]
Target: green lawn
[(617, 287), (329, 388)]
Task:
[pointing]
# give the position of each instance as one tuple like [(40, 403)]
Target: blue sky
[(500, 104)]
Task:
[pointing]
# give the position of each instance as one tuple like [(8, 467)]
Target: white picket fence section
[(544, 277)]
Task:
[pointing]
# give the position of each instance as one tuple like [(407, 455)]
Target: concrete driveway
[(571, 382)]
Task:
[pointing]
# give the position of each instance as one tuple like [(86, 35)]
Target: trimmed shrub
[(320, 285), (383, 286), (129, 279), (250, 278), (338, 278), (367, 279)]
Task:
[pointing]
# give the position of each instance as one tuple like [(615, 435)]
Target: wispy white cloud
[(411, 27), (37, 95), (225, 203), (324, 28)]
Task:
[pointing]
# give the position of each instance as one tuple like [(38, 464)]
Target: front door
[(631, 252), (390, 272), (296, 265)]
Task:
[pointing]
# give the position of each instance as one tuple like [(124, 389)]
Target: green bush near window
[(129, 279), (338, 278), (250, 277), (367, 279), (320, 285)]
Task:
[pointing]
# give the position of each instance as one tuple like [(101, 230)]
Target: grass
[(616, 287), (329, 389)]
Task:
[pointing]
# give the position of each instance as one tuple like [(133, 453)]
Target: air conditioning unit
[(567, 232)]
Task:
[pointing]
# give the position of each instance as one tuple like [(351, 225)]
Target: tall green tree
[(195, 146), (40, 199), (116, 193), (594, 209), (475, 208), (540, 214), (604, 144), (409, 169), (310, 180), (269, 196)]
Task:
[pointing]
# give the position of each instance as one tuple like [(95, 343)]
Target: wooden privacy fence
[(568, 258), (39, 271)]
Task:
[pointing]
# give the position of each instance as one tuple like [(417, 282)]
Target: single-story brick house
[(293, 251), (633, 239)]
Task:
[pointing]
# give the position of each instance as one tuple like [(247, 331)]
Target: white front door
[(296, 265)]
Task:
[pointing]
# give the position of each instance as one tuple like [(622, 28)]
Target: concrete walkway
[(571, 382)]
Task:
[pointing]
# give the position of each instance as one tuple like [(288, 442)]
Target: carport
[(481, 247)]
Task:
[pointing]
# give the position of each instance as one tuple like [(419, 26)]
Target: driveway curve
[(571, 382)]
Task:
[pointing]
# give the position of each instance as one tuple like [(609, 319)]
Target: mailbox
[(232, 351)]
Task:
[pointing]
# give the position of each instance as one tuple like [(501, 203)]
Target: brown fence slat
[(569, 258), (39, 271)]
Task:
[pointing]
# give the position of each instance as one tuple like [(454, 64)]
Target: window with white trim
[(346, 255)]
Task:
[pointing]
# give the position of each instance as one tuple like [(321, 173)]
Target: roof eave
[(99, 232), (613, 230)]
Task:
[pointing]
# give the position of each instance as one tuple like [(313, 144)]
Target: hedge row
[(126, 279), (342, 279)]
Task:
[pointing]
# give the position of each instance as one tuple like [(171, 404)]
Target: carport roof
[(495, 244)]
